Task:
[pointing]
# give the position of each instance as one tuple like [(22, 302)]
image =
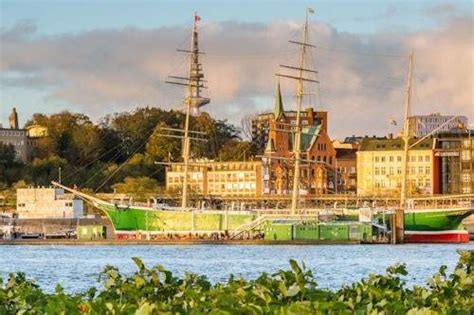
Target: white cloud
[(362, 79)]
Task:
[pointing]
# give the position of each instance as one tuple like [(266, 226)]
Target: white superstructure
[(47, 203)]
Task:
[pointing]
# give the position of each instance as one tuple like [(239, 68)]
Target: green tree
[(42, 171), (11, 170), (137, 185), (234, 150)]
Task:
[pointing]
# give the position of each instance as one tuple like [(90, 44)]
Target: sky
[(101, 57)]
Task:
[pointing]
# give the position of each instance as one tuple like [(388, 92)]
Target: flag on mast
[(310, 10), (197, 18)]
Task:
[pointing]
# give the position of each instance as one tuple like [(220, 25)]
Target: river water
[(77, 268)]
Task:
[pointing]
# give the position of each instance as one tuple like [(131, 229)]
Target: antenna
[(300, 79)]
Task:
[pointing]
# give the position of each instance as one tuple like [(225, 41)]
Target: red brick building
[(317, 152)]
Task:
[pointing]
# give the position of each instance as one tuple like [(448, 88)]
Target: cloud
[(362, 76)]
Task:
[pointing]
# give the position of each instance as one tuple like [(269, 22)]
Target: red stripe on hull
[(461, 237)]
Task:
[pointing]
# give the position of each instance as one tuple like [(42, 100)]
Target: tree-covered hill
[(122, 145)]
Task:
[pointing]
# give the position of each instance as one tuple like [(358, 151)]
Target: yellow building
[(36, 131), (379, 167), (210, 178)]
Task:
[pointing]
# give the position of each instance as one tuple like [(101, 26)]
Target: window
[(377, 171), (399, 158), (420, 158), (466, 156), (391, 159), (427, 158), (427, 170), (377, 159), (382, 159), (382, 170), (466, 177), (391, 170), (420, 169)]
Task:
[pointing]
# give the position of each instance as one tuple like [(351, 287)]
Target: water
[(77, 268)]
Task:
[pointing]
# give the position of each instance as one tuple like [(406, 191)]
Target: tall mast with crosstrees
[(300, 79), (192, 101)]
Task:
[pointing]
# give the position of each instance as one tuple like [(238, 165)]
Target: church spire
[(279, 112)]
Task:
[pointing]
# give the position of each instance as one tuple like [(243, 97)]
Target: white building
[(421, 125), (47, 203)]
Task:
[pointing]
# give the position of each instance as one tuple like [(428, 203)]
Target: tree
[(10, 169), (137, 185), (42, 171), (235, 150)]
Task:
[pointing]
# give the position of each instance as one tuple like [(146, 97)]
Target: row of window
[(344, 182), (67, 204), (420, 183), (231, 176), (324, 159), (344, 170), (411, 170), (322, 146), (12, 133), (225, 187), (15, 143), (398, 158)]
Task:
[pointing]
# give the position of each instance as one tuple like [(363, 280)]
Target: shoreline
[(171, 242)]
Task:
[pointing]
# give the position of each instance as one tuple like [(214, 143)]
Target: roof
[(270, 147), (383, 144), (278, 111), (345, 153), (309, 135)]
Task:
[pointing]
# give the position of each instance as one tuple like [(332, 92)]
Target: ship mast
[(192, 101), (299, 100), (406, 134)]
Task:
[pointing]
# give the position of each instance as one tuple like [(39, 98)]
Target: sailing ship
[(427, 225), (420, 225)]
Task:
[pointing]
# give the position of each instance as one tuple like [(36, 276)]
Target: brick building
[(274, 130), (346, 167)]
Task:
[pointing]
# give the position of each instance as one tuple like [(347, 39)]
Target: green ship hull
[(147, 219), (135, 219), (437, 220)]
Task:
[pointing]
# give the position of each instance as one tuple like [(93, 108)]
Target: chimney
[(390, 135)]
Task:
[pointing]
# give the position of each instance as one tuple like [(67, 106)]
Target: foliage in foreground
[(156, 291)]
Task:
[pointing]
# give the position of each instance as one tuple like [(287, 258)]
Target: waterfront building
[(421, 125), (346, 167), (211, 178), (317, 152), (47, 203), (17, 137), (379, 167), (454, 163)]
